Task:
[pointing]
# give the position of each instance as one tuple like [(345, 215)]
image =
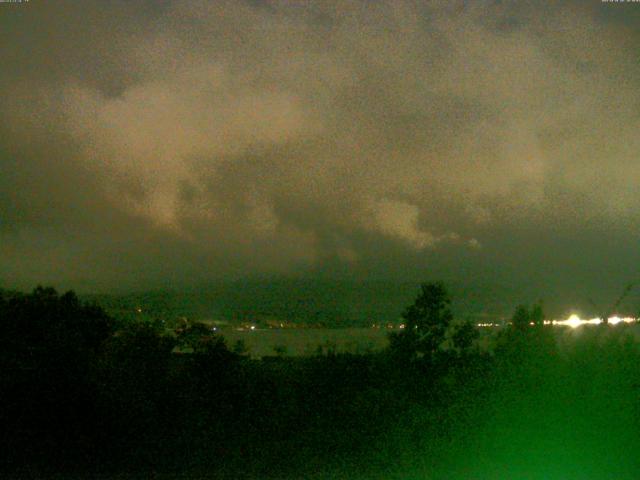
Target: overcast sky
[(170, 143)]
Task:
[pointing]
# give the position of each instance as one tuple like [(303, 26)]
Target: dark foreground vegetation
[(81, 395)]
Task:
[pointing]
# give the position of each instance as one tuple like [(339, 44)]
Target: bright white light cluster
[(574, 321)]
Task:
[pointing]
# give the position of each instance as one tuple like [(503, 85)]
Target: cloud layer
[(168, 143)]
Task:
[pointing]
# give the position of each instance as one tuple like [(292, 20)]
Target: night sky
[(174, 143)]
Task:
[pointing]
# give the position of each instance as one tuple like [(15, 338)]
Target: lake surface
[(307, 341)]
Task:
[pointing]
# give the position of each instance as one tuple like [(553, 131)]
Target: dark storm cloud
[(149, 143)]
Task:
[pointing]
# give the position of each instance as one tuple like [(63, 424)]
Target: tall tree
[(537, 314), (426, 321), (521, 318)]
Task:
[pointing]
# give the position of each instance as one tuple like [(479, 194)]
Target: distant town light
[(573, 321), (615, 320)]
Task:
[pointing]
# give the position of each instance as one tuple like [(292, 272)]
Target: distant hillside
[(328, 303)]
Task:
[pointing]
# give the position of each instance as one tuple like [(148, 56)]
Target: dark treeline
[(82, 393)]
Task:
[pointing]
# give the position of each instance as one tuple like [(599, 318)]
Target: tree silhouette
[(240, 348), (521, 318), (426, 322), (536, 315), (48, 348), (464, 337)]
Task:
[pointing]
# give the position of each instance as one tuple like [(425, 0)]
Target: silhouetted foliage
[(521, 318), (426, 322), (464, 336), (79, 398), (280, 350), (48, 344), (240, 348), (536, 315)]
